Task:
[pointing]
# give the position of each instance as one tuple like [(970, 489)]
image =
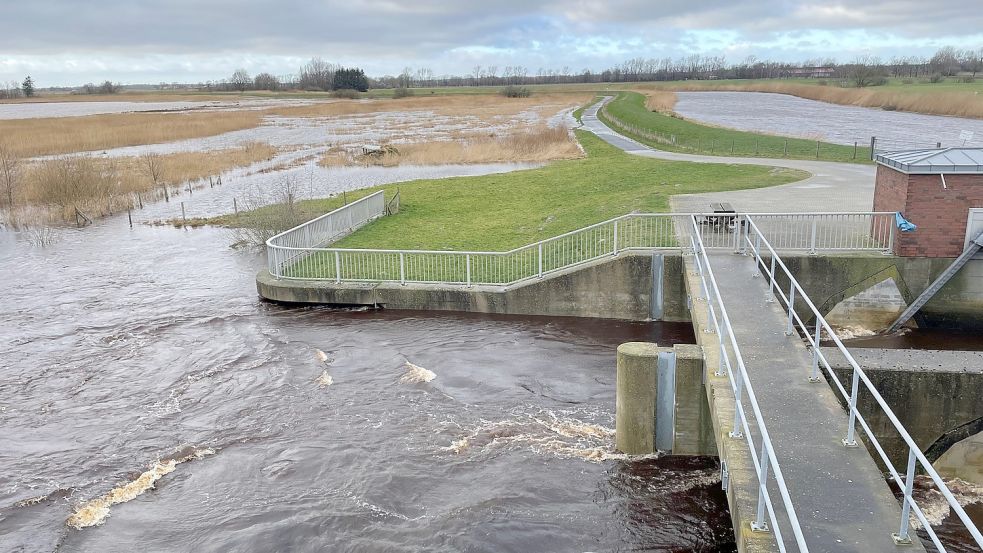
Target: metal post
[(723, 352), (129, 216), (710, 318), (791, 306), (902, 537), (854, 149), (812, 243), (402, 268), (815, 352), (817, 149), (759, 524), (850, 440), (615, 252), (771, 286), (890, 240), (738, 392), (540, 260), (337, 267), (183, 217), (873, 141), (467, 264)]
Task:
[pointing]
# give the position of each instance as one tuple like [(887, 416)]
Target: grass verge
[(628, 113), (504, 211)]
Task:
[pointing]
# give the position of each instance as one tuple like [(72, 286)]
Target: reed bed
[(102, 186), (662, 101), (539, 144), (65, 135)]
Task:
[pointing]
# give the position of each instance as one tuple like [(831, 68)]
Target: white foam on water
[(324, 380), (321, 356), (95, 511), (415, 374), (545, 434), (934, 505)]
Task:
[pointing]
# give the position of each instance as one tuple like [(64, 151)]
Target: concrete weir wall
[(830, 279), (618, 287), (935, 395)]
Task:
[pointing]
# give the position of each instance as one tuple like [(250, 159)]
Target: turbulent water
[(149, 401)]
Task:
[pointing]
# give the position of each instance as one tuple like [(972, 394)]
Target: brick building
[(940, 190)]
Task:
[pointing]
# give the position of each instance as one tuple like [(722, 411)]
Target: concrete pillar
[(693, 433), (638, 364)]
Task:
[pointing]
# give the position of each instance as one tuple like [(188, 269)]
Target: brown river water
[(150, 398)]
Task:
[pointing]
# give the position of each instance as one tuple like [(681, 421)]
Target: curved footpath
[(832, 186)]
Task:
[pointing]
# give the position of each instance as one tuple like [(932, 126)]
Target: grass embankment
[(504, 211), (629, 115)]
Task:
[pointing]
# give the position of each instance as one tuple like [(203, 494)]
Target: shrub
[(513, 91), (936, 78), (346, 93), (402, 92), (822, 82), (968, 79), (907, 81)]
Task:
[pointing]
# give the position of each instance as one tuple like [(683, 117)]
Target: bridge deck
[(840, 496)]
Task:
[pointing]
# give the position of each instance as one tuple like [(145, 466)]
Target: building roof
[(934, 161)]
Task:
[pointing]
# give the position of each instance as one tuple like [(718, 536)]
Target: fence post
[(755, 146), (817, 149), (615, 252), (467, 268), (786, 148), (184, 218), (540, 260), (815, 352), (337, 267), (235, 206), (873, 141), (129, 216), (902, 537), (812, 242), (402, 268), (854, 149), (759, 524), (850, 440), (791, 307)]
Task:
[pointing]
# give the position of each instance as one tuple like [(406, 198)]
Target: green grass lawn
[(628, 114), (504, 211)]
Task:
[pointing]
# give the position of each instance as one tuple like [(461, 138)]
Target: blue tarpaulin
[(904, 224)]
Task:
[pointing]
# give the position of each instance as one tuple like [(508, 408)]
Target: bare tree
[(316, 74), (153, 166), (266, 81), (240, 80), (865, 71), (9, 173)]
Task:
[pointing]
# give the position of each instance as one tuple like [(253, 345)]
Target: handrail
[(742, 383), (813, 337), (293, 256)]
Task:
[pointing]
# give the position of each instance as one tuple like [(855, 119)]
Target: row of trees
[(13, 89), (317, 75)]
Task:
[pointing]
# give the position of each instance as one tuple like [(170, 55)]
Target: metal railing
[(757, 242), (608, 238), (765, 460), (298, 253), (294, 246)]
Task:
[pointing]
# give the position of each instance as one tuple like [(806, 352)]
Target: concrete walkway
[(832, 186), (842, 499)]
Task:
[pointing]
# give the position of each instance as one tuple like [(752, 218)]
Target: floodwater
[(149, 397), (34, 110), (798, 117)]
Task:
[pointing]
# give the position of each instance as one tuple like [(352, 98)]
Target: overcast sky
[(68, 42)]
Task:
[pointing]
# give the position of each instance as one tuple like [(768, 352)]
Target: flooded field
[(797, 117), (151, 402), (34, 110)]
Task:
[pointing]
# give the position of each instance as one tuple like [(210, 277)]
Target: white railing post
[(759, 524), (337, 266), (812, 243), (402, 268), (467, 268), (738, 391), (791, 308), (615, 252), (902, 537), (889, 248), (850, 440), (723, 352), (771, 285), (540, 260), (814, 377)]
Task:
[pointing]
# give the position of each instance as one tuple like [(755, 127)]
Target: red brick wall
[(940, 213)]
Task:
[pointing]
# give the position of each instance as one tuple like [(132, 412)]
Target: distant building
[(811, 73)]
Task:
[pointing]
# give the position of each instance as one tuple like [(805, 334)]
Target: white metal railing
[(293, 246), (757, 242), (719, 322), (295, 255)]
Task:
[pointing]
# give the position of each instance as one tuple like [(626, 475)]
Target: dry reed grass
[(64, 135), (960, 104), (662, 101), (481, 106), (534, 145), (101, 186)]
